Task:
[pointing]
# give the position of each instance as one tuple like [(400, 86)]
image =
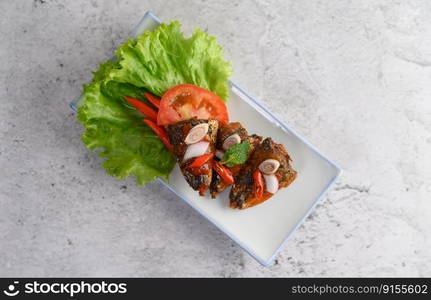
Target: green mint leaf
[(237, 154)]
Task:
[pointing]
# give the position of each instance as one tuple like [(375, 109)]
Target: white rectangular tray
[(264, 229)]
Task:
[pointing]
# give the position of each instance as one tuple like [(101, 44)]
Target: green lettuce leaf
[(129, 146), (164, 58), (155, 61)]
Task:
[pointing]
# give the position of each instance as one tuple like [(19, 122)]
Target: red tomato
[(186, 101)]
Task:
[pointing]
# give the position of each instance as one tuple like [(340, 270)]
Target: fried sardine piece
[(198, 178), (242, 194), (217, 184)]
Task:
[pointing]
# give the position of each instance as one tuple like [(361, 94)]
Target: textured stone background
[(353, 77)]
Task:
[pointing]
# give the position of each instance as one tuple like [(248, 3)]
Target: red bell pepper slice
[(201, 160), (143, 108), (258, 184), (153, 99), (224, 172), (161, 133)]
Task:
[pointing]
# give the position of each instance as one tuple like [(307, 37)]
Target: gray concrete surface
[(353, 77)]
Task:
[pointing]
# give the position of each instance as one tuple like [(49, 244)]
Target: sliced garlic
[(269, 166), (197, 133), (231, 140)]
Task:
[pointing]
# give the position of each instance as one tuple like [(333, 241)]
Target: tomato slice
[(187, 101)]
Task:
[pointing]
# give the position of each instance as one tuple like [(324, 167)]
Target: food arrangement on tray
[(162, 100)]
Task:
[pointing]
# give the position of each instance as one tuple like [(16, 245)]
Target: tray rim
[(338, 170)]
